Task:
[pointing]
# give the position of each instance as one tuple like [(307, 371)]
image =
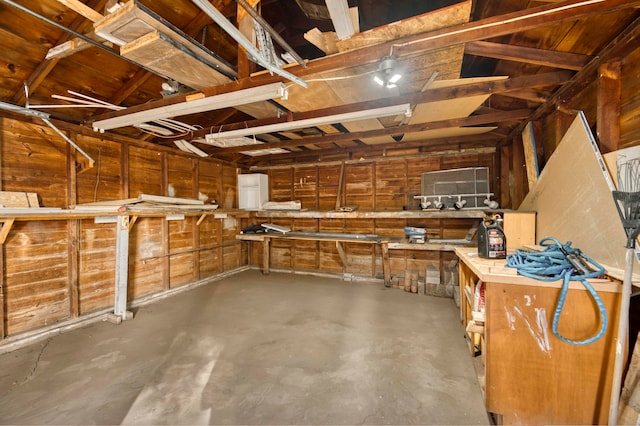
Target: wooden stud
[(73, 253), (386, 266), (265, 255), (122, 267), (608, 110), (343, 255)]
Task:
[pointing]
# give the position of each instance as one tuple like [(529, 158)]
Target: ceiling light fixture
[(225, 100), (403, 109), (388, 74)]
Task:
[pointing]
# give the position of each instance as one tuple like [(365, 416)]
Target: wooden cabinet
[(531, 376)]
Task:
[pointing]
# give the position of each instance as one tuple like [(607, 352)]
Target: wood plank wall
[(61, 269), (383, 185)]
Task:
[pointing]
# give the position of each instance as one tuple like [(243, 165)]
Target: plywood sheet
[(574, 202), (446, 133), (442, 18), (365, 125), (451, 108), (161, 54)]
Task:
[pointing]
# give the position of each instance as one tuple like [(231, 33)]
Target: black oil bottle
[(492, 243)]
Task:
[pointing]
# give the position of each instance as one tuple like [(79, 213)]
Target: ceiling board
[(451, 108), (446, 133), (366, 125)]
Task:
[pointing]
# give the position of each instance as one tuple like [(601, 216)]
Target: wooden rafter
[(548, 58), (325, 140), (475, 142), (626, 42), (46, 66), (484, 29), (440, 94)]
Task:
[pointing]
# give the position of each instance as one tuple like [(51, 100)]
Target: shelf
[(365, 214), (426, 246)]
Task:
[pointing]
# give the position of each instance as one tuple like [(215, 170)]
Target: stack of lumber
[(148, 202)]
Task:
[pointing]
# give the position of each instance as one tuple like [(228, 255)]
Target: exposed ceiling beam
[(430, 95), (621, 46), (483, 29), (548, 58), (524, 20), (46, 66), (82, 9), (441, 144), (328, 139), (531, 95)]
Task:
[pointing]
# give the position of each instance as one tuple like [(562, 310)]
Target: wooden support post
[(120, 312), (265, 255), (245, 25), (386, 264), (2, 293), (340, 185), (608, 111), (72, 244), (343, 255)]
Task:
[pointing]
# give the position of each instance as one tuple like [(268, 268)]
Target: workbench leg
[(120, 312), (386, 264), (265, 255)]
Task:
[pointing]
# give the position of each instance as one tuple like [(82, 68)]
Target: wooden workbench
[(267, 237), (531, 376)]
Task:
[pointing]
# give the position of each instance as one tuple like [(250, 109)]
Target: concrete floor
[(254, 349)]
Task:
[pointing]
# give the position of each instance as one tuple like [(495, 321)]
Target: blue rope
[(551, 264)]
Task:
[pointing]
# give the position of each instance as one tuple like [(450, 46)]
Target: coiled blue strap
[(551, 264)]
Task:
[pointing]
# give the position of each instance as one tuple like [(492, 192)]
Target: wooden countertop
[(494, 270)]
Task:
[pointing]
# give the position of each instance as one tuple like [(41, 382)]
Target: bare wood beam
[(608, 111), (324, 140), (531, 95), (134, 83), (45, 67), (510, 23), (617, 49), (440, 144), (431, 95), (487, 28), (548, 58), (82, 9)]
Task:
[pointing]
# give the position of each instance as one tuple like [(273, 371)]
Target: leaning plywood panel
[(574, 202)]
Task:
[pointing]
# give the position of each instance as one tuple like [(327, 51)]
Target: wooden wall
[(382, 185), (57, 270)]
